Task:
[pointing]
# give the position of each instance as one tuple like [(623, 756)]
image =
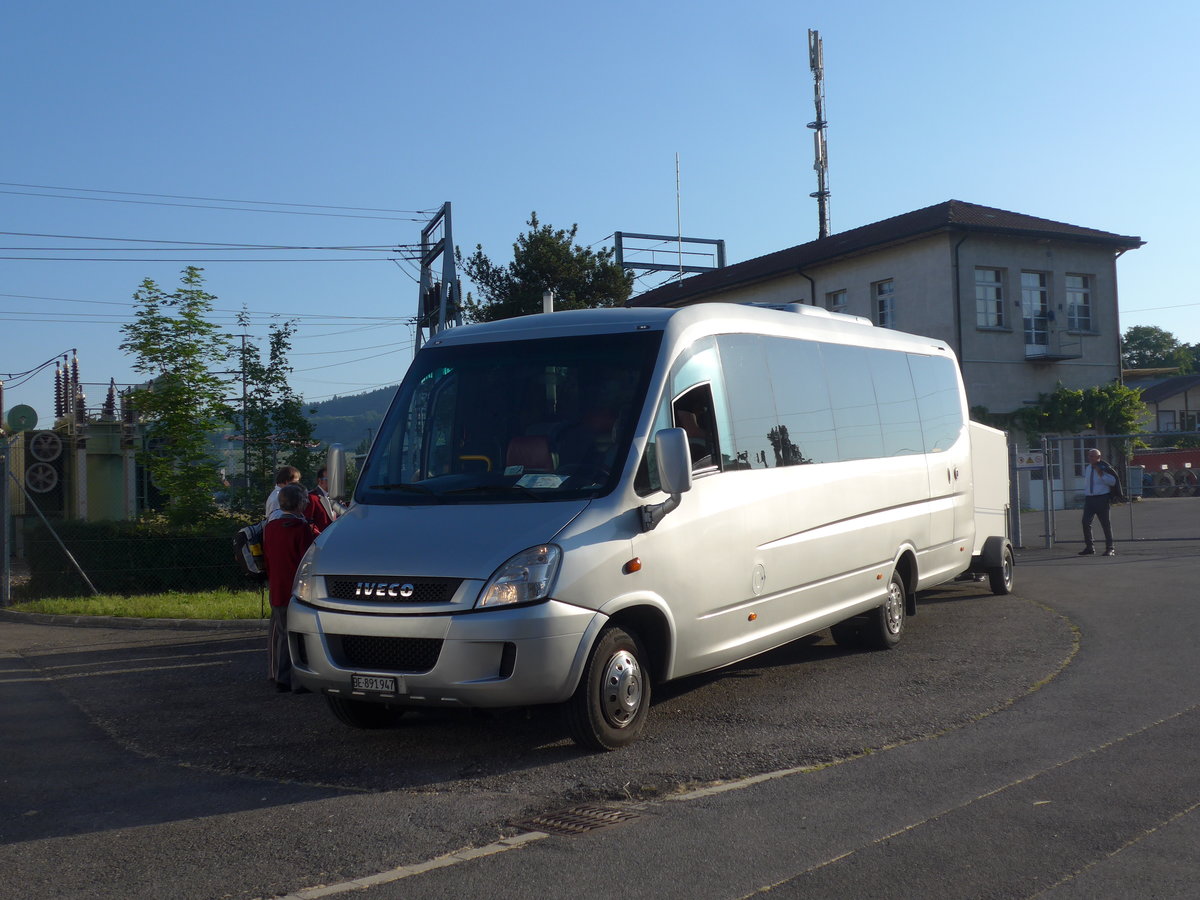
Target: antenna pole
[(678, 218), (816, 62)]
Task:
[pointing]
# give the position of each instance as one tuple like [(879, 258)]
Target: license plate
[(375, 683)]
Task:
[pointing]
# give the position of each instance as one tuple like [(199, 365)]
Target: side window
[(936, 383), (695, 414), (897, 403), (754, 423), (806, 433), (696, 385), (855, 413)]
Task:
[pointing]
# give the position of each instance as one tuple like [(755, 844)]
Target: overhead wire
[(50, 187)]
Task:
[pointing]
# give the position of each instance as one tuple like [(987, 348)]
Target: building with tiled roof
[(1027, 303)]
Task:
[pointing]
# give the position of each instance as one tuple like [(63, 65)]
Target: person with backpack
[(286, 538), (1098, 484)]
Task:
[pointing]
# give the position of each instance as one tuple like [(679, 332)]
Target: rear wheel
[(883, 626), (1001, 577), (608, 709), (879, 629), (361, 714)]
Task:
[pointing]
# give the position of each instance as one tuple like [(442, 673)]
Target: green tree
[(275, 429), (181, 351), (544, 258), (1107, 409), (1151, 347)]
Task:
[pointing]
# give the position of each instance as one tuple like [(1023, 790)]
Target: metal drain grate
[(577, 820)]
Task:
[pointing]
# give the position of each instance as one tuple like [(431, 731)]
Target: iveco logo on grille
[(383, 589)]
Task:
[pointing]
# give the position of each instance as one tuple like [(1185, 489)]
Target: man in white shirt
[(1098, 484), (285, 475)]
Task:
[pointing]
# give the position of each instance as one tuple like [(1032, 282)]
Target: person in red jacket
[(285, 540)]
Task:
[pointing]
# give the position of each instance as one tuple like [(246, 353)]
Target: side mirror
[(674, 460), (335, 470), (674, 473)]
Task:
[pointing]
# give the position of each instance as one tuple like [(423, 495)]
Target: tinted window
[(852, 396), (897, 403), (936, 382), (806, 430), (751, 400)]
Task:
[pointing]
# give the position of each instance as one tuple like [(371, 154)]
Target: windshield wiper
[(499, 489), (406, 486)]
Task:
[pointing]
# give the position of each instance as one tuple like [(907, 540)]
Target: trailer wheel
[(1186, 483), (1001, 577), (1164, 485)]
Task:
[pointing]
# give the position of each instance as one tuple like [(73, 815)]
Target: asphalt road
[(1042, 744)]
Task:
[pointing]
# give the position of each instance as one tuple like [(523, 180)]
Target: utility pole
[(816, 62), (439, 303)]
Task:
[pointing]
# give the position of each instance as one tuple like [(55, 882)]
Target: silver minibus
[(570, 508)]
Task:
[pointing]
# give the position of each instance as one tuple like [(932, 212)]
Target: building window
[(1189, 421), (885, 303), (1035, 308), (989, 298), (835, 301), (1079, 302)]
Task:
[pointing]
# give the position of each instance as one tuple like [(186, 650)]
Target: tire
[(361, 714), (883, 627), (608, 710), (848, 634), (1001, 577)]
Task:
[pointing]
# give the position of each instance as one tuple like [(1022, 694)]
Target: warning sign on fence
[(1030, 460)]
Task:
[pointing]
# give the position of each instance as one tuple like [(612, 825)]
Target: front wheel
[(608, 709), (1001, 577), (361, 714)]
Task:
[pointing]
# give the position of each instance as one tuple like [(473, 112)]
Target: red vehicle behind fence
[(1169, 473)]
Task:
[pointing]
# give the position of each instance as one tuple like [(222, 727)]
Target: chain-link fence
[(1050, 479)]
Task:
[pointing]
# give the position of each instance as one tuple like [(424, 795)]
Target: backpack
[(248, 551)]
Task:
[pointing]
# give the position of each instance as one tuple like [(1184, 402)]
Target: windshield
[(513, 421)]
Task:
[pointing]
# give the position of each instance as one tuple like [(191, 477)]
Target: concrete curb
[(12, 615)]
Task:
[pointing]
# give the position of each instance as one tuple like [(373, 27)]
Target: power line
[(50, 187), (222, 245), (286, 212), (183, 259), (252, 313)]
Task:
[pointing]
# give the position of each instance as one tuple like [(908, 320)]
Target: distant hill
[(350, 420)]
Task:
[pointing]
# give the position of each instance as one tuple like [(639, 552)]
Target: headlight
[(306, 586), (527, 577)]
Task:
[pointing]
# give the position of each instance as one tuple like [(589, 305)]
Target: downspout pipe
[(958, 326), (812, 285), (1117, 317)]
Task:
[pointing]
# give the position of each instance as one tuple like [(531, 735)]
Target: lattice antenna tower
[(816, 62)]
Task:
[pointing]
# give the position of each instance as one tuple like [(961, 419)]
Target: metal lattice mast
[(816, 62)]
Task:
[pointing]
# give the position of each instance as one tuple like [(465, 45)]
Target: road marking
[(441, 862), (64, 677)]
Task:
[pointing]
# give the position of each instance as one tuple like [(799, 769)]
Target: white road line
[(441, 862)]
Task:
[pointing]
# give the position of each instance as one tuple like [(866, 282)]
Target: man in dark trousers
[(285, 540), (1097, 491)]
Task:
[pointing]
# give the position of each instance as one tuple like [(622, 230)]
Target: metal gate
[(1162, 486)]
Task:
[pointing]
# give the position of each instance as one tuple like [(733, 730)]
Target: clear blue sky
[(1082, 112)]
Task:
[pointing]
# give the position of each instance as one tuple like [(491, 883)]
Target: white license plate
[(375, 683)]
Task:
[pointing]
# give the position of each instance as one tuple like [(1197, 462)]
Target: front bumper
[(504, 657)]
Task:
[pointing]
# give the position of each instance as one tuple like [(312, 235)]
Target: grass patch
[(217, 604)]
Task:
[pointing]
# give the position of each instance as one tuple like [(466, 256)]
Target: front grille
[(389, 654), (390, 588)]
